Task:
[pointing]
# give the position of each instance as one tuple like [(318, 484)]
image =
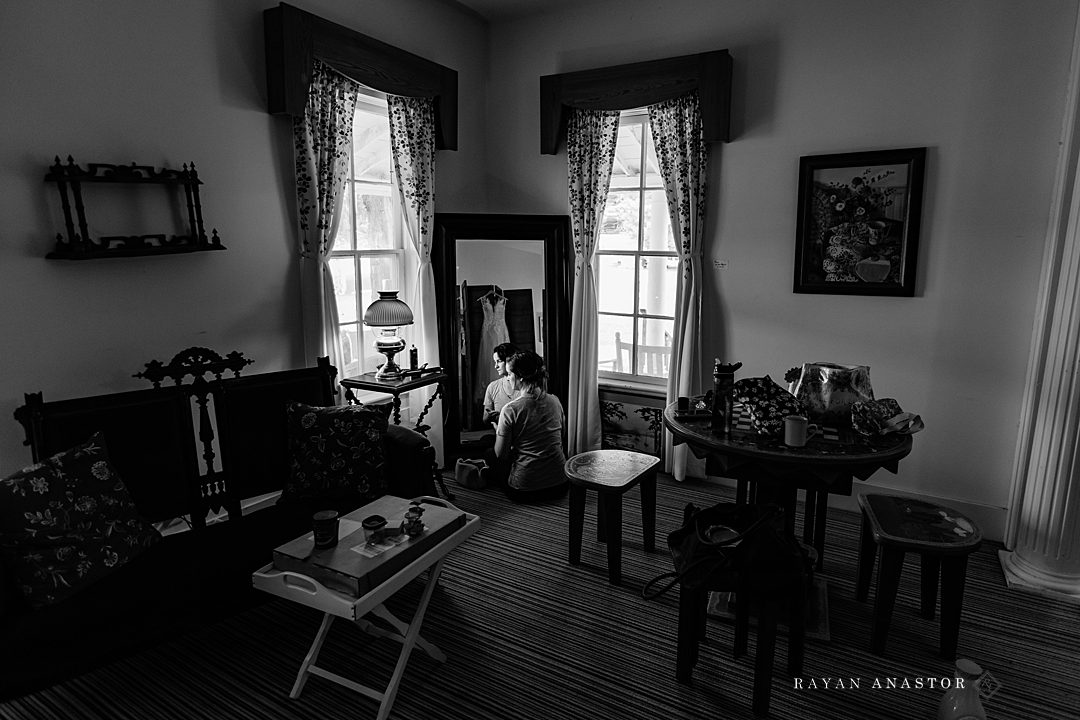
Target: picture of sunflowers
[(859, 222)]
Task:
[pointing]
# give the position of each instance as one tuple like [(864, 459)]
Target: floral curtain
[(412, 140), (590, 154), (321, 140), (683, 156)]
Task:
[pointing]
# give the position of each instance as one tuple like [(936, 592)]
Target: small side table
[(941, 536), (302, 589), (396, 388)]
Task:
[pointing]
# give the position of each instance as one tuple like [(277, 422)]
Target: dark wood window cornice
[(294, 38), (624, 87)]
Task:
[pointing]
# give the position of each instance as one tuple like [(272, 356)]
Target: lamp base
[(389, 370), (389, 344)]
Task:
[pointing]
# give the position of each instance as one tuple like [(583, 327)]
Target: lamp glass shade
[(388, 311)]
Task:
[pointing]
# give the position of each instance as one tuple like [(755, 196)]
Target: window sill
[(633, 388)]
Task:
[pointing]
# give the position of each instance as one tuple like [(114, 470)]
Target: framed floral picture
[(858, 226)]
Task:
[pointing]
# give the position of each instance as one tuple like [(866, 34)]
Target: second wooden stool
[(941, 536), (611, 473)]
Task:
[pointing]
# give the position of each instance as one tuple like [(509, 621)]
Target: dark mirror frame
[(554, 231)]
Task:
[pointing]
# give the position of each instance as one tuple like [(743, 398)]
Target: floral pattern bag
[(767, 404)]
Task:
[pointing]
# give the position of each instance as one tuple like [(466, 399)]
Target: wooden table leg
[(953, 572), (930, 572), (648, 511), (693, 604), (612, 504), (764, 655), (867, 554), (892, 562), (311, 657), (809, 514), (821, 512), (577, 521)]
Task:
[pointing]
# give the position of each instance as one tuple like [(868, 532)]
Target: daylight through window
[(368, 253), (636, 263)]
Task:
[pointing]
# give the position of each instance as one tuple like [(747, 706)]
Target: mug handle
[(812, 430)]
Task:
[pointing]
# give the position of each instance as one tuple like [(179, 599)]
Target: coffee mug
[(797, 430)]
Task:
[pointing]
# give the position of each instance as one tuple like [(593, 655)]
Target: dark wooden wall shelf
[(78, 245)]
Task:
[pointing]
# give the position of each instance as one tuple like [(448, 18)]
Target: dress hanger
[(495, 293)]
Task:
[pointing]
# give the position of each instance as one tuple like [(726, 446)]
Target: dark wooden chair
[(773, 591), (611, 473), (943, 538)]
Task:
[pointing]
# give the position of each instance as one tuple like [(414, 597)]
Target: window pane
[(351, 350), (343, 270), (372, 358), (614, 340), (379, 272), (343, 240), (657, 231), (626, 170), (371, 146), (654, 348), (619, 227), (656, 284), (653, 178), (374, 217), (615, 283)]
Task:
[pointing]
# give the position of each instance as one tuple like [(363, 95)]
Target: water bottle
[(723, 401), (963, 703)]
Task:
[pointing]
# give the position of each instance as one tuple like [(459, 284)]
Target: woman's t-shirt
[(534, 427), (498, 393)]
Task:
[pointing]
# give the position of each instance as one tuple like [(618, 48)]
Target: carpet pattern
[(529, 636)]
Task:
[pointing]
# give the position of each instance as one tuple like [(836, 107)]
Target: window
[(636, 263), (368, 253)]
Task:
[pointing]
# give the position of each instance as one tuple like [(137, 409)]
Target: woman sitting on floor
[(529, 435)]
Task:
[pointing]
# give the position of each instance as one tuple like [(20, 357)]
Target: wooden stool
[(943, 538), (610, 473)]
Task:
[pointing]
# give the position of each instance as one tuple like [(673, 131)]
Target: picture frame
[(858, 222)]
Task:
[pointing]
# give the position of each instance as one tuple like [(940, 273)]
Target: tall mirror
[(498, 278)]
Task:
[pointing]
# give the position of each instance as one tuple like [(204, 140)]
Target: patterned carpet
[(528, 636)]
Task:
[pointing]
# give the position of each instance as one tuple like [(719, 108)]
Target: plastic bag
[(828, 391)]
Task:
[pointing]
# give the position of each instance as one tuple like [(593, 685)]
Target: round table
[(776, 472)]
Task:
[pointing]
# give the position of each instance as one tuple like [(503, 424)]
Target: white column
[(1043, 533)]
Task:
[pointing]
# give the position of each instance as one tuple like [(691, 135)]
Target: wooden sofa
[(203, 572)]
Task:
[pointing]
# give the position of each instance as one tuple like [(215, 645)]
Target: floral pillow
[(767, 403), (337, 453), (67, 522)]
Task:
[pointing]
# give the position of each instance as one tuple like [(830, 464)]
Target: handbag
[(828, 391), (471, 474), (726, 539)]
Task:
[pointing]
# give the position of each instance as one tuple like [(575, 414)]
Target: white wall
[(981, 83), (160, 82)]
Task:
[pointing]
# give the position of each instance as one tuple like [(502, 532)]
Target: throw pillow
[(67, 522), (337, 454), (767, 403)]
